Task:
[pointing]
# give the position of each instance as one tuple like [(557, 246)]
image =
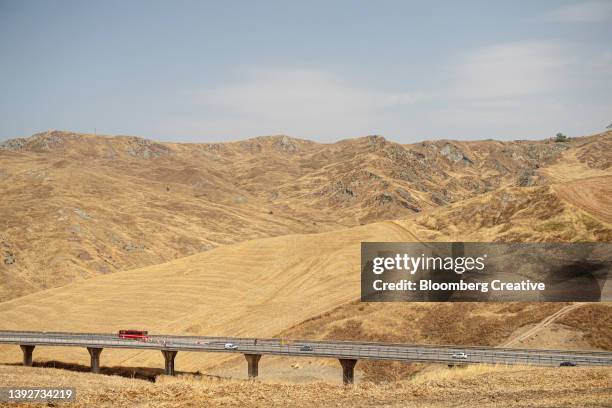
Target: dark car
[(306, 348), (567, 364)]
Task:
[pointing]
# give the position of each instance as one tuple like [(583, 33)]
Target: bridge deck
[(329, 349)]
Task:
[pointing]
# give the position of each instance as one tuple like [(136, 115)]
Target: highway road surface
[(329, 349)]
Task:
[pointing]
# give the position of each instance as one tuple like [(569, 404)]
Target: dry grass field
[(476, 386), (255, 288), (261, 238), (591, 194)]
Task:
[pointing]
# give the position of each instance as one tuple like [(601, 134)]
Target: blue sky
[(320, 70)]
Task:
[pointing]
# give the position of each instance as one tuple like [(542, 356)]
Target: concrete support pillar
[(348, 370), (94, 353), (253, 364), (169, 360), (27, 354)]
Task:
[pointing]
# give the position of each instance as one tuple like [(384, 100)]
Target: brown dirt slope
[(594, 321), (592, 195), (431, 323)]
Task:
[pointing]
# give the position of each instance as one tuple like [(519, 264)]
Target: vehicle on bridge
[(141, 335), (460, 356), (567, 364), (306, 347), (230, 346)]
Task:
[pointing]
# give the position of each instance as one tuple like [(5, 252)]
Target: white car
[(460, 356), (230, 346)]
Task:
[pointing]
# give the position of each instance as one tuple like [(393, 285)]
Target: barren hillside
[(75, 206), (277, 283)]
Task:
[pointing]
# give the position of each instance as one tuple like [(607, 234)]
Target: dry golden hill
[(75, 205), (529, 214), (265, 287), (256, 288), (536, 214), (570, 200), (77, 210)]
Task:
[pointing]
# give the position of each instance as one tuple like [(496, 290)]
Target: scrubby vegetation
[(474, 386), (595, 322)]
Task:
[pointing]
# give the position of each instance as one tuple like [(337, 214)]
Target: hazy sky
[(321, 70)]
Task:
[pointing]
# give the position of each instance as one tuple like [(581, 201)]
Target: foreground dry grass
[(475, 386)]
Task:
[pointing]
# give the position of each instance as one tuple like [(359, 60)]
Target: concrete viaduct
[(348, 353)]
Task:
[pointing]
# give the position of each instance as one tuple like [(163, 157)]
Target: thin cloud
[(274, 92), (305, 102), (526, 88), (512, 70), (585, 12)]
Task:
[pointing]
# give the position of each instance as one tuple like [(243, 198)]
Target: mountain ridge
[(78, 205)]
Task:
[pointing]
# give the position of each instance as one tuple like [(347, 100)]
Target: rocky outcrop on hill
[(286, 144), (146, 149), (46, 141)]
